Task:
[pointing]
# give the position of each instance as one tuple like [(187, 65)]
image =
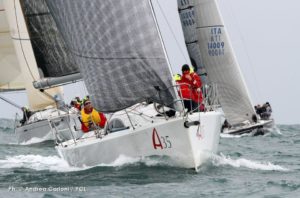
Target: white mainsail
[(221, 64), (25, 63), (12, 78)]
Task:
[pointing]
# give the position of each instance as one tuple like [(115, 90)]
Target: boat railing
[(209, 102), (67, 127), (16, 121), (64, 127), (210, 96)]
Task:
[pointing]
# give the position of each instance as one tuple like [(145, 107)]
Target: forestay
[(220, 63), (118, 49)]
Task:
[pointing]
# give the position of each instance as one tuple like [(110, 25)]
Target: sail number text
[(216, 47), (162, 142)]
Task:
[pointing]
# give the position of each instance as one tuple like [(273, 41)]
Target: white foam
[(38, 162), (123, 160), (35, 140), (57, 164), (238, 163), (226, 135)]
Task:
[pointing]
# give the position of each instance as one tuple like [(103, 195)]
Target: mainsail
[(10, 76), (25, 62), (220, 62), (50, 51), (118, 49)]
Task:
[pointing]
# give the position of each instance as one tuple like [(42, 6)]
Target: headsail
[(12, 78), (220, 63), (25, 57), (118, 49), (188, 22)]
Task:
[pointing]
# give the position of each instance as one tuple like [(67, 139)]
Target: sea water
[(245, 166)]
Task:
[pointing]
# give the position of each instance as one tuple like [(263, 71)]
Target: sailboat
[(210, 51), (119, 50), (22, 57)]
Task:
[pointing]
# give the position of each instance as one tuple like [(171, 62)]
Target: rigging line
[(173, 34), (17, 22), (231, 11), (113, 58), (21, 44), (10, 102)]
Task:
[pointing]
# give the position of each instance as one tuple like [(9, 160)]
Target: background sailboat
[(205, 31), (28, 57)]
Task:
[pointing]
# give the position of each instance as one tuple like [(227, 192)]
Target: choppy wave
[(36, 140), (147, 161), (38, 162), (57, 164), (6, 124), (221, 160)]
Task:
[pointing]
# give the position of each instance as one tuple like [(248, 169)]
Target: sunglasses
[(87, 103)]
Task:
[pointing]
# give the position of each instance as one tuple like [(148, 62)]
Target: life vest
[(188, 89), (92, 117)]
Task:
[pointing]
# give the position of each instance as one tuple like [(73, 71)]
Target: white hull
[(259, 128), (186, 147), (38, 128), (34, 132)]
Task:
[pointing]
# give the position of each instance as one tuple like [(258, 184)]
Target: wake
[(245, 163)]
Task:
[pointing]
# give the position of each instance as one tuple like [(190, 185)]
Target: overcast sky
[(265, 38)]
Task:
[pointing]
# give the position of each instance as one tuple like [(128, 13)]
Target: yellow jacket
[(92, 117)]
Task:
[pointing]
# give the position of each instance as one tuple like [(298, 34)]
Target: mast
[(178, 105)]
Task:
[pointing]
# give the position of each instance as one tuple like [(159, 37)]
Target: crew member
[(91, 119), (190, 88), (26, 115), (76, 104)]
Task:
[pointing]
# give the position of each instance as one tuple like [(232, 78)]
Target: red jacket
[(189, 88)]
